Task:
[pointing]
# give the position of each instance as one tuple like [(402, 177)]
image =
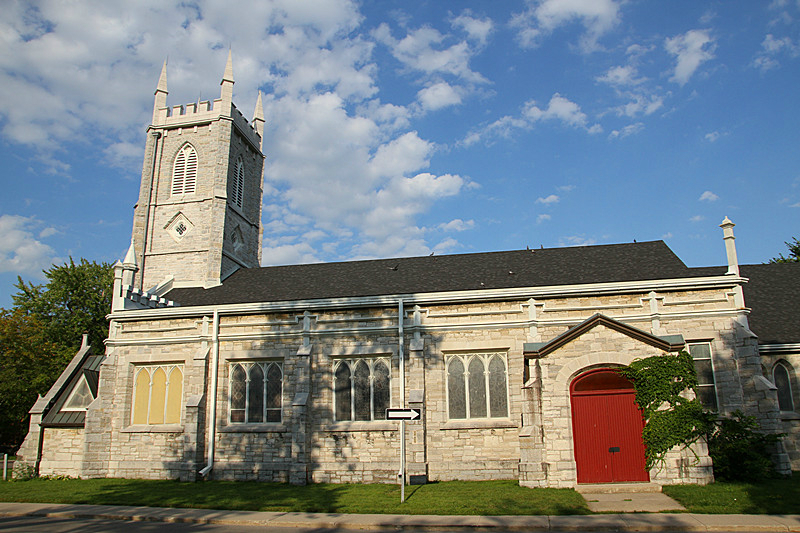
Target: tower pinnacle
[(160, 101), (226, 92)]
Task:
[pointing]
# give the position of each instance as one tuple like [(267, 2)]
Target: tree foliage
[(75, 300), (794, 253), (43, 331), (671, 419), (29, 364)]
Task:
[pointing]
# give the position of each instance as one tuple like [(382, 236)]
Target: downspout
[(402, 474), (146, 238), (212, 416)]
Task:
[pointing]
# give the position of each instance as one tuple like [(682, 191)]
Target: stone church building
[(216, 367)]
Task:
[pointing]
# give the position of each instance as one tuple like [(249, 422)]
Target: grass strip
[(446, 498), (775, 496)]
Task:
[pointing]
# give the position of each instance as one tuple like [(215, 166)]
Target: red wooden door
[(607, 429)]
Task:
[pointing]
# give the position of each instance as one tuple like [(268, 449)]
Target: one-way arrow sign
[(403, 414)]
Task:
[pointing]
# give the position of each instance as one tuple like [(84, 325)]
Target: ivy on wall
[(661, 383)]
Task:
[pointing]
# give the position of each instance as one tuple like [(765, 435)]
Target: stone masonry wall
[(309, 445)]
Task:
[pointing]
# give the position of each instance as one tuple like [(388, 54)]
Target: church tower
[(198, 218)]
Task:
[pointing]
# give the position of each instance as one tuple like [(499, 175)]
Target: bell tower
[(198, 218)]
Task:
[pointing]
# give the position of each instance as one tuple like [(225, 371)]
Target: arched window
[(780, 376), (479, 392), (361, 389), (256, 392), (184, 171), (238, 183), (157, 394)]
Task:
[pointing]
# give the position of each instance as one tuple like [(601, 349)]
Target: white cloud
[(708, 196), (690, 49), (667, 235), (425, 50), (543, 217), (438, 95), (476, 28), (772, 48), (457, 225), (576, 240), (552, 199), (712, 136), (542, 17), (289, 254), (621, 76), (559, 108), (630, 129), (697, 218), (20, 250)]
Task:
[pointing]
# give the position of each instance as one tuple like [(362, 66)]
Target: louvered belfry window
[(238, 183), (184, 172)]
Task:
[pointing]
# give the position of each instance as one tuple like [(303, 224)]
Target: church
[(218, 368)]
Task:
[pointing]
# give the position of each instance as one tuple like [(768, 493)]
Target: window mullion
[(466, 361)]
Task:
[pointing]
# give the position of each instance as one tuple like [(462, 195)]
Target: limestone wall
[(310, 445)]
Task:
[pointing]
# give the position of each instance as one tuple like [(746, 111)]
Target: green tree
[(43, 331), (794, 253), (75, 300), (29, 364)]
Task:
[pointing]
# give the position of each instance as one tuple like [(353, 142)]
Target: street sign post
[(403, 415)]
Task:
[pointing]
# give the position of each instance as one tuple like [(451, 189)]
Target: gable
[(670, 343), (65, 410)]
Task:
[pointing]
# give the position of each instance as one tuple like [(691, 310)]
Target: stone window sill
[(154, 428), (789, 415), (375, 425), (254, 428), (476, 423)]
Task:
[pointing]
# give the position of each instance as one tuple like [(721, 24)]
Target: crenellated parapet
[(206, 112)]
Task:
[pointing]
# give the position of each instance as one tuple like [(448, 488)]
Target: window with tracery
[(361, 389), (256, 392), (781, 379), (157, 394), (477, 386)]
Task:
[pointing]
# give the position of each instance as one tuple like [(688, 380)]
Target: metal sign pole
[(402, 461)]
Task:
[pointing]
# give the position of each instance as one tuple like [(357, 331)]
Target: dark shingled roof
[(773, 294), (491, 270)]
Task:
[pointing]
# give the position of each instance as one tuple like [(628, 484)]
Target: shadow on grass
[(774, 496), (446, 498)]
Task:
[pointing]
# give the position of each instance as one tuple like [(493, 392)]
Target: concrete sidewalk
[(600, 522)]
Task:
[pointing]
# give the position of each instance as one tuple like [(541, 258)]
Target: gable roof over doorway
[(671, 343)]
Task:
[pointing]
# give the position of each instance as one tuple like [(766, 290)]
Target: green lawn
[(452, 497), (776, 496), (779, 496)]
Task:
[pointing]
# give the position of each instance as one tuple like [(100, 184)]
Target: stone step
[(613, 488)]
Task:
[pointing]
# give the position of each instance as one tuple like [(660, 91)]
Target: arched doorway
[(606, 428)]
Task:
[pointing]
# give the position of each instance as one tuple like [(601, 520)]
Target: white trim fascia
[(425, 328), (779, 348), (432, 297)]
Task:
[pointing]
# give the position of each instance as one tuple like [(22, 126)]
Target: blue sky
[(399, 128)]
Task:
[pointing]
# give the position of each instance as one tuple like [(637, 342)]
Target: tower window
[(238, 183), (184, 171)]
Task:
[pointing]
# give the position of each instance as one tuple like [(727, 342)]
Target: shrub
[(739, 450)]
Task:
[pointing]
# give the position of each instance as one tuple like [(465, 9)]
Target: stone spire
[(226, 93), (730, 246), (161, 92), (258, 119)]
